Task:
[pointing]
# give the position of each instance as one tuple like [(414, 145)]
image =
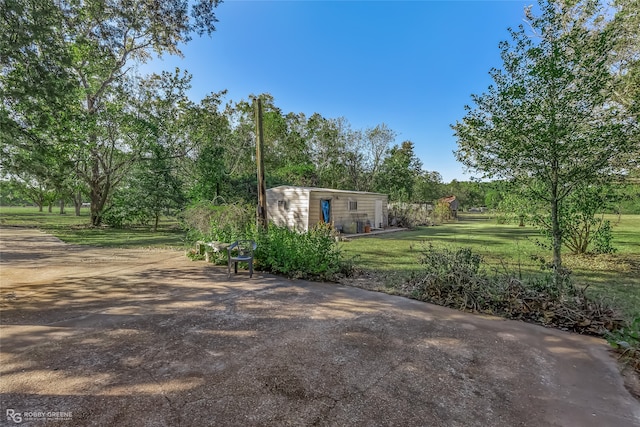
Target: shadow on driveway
[(135, 337)]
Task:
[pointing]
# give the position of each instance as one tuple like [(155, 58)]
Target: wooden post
[(262, 189)]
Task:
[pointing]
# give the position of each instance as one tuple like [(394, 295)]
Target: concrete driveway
[(148, 338)]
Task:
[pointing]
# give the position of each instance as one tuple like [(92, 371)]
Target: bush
[(121, 214), (409, 215), (208, 222), (457, 279), (311, 255), (602, 241), (442, 212)]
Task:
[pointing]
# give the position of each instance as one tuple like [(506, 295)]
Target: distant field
[(75, 230), (511, 248)]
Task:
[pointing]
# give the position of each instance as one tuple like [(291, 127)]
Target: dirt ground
[(149, 338)]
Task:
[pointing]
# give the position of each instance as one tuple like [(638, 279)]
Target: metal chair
[(240, 251)]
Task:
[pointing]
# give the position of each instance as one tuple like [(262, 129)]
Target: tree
[(626, 68), (549, 120), (376, 142), (326, 150), (468, 193), (398, 172), (428, 187), (207, 169), (65, 70), (150, 190)]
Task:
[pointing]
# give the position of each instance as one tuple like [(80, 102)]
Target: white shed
[(348, 211)]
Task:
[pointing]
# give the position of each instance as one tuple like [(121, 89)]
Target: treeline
[(80, 126), (152, 149)]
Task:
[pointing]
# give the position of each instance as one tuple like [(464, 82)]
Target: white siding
[(341, 216), (288, 206), (299, 207)]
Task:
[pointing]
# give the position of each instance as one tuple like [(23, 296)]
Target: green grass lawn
[(508, 247), (75, 229)]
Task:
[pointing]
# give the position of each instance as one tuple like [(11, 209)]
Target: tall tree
[(549, 119), (399, 172), (376, 143), (81, 53), (207, 170), (626, 68), (428, 187)]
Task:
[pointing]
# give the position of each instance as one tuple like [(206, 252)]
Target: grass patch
[(506, 247), (76, 230)]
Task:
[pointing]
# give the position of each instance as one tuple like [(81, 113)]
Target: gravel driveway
[(148, 338)]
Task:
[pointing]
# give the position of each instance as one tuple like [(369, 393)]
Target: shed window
[(283, 204), (353, 205)]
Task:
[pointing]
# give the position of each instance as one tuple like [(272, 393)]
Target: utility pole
[(262, 189)]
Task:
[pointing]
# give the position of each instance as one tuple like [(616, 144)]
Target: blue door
[(325, 210)]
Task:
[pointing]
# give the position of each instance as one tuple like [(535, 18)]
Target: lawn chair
[(241, 251)]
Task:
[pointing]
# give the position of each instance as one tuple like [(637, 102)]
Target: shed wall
[(288, 207), (343, 218)]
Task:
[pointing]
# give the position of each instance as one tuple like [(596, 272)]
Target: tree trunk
[(99, 190), (61, 206), (157, 220), (557, 237), (50, 209), (77, 203)]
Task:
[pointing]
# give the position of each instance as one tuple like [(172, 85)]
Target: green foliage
[(512, 248), (67, 88), (442, 212), (603, 237), (313, 254), (468, 193), (409, 215), (122, 214), (444, 262), (492, 198), (428, 187), (517, 205), (399, 172), (208, 222), (75, 230), (549, 120), (581, 219), (14, 193), (625, 198)]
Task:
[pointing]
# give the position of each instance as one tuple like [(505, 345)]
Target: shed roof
[(332, 190)]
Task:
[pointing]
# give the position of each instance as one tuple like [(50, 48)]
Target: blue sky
[(412, 65)]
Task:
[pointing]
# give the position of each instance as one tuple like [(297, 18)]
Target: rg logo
[(14, 416)]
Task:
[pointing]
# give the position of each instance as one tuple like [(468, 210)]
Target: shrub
[(121, 214), (457, 279), (442, 212), (602, 241), (583, 227), (409, 215), (208, 222), (311, 255)]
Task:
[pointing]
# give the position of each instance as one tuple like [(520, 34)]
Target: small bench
[(208, 248)]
